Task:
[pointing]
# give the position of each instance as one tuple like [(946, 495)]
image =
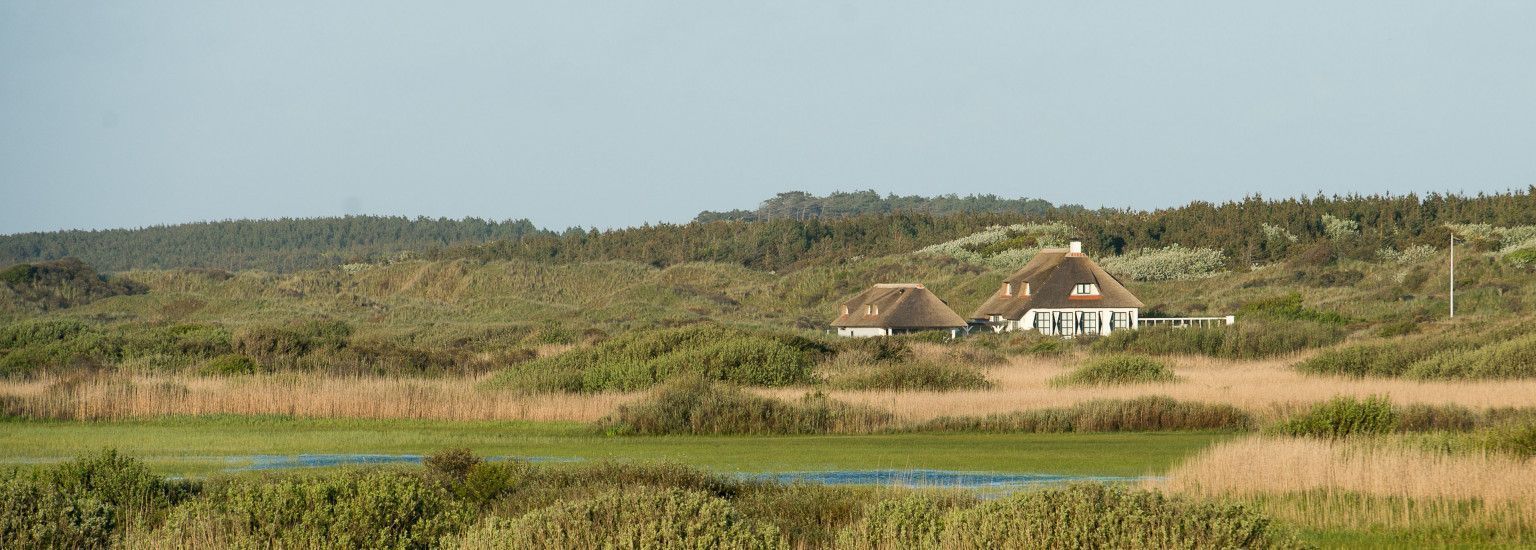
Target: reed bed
[(118, 397), (1269, 389), (1368, 484)]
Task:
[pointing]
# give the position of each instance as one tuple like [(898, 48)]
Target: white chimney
[(1077, 247)]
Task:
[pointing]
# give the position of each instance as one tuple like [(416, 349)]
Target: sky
[(610, 114)]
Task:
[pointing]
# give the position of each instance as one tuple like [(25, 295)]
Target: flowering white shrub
[(1004, 247), (1411, 255), (1339, 228), (1277, 233), (1517, 245), (1174, 263)]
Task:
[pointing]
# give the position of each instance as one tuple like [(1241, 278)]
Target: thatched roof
[(1051, 275), (904, 305)]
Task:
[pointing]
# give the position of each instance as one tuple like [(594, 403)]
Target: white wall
[(861, 332), (1027, 322)]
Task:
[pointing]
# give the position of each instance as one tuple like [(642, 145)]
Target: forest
[(790, 231)]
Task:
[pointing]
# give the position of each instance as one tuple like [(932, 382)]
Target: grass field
[(193, 446)]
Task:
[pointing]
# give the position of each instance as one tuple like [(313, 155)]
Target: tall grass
[(1370, 485), (1248, 339), (308, 395), (1152, 414)]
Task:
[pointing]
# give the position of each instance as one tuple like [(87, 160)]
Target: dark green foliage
[(1289, 308), (349, 509), (1142, 414), (799, 205), (909, 376), (1248, 339), (59, 284), (642, 359), (232, 364), (696, 406), (84, 503), (1078, 516), (455, 464), (273, 245), (1117, 369), (1343, 417)]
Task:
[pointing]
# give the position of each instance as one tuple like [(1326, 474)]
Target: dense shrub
[(644, 358), (349, 509), (637, 518), (1478, 353), (1117, 369), (696, 406), (1289, 308), (1343, 417), (84, 503), (1142, 414), (1514, 358), (1078, 516), (913, 376), (1248, 339), (454, 464), (230, 365)]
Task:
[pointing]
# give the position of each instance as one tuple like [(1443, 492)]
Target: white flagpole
[(1453, 275)]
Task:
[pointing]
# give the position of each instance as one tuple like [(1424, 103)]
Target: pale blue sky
[(117, 114)]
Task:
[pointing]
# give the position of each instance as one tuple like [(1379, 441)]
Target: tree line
[(787, 234)]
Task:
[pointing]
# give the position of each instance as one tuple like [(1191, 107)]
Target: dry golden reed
[(1366, 483), (307, 395), (1269, 389)]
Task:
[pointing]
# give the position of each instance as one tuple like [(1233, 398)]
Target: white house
[(901, 308), (1061, 292)]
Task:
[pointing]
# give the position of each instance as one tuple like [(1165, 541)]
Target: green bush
[(1078, 516), (1142, 414), (1480, 353), (1248, 339), (1290, 308), (232, 364), (1514, 358), (84, 503), (349, 509), (635, 518), (454, 464), (1343, 417), (1117, 369), (913, 376), (642, 359), (697, 406)]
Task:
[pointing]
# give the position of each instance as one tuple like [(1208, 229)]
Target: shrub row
[(642, 359), (1142, 414), (697, 406), (1478, 353)]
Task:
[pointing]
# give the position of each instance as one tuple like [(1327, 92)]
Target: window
[(1085, 289), (1090, 322), (1007, 289), (871, 309), (1026, 289), (1066, 323), (1119, 320), (1043, 322)]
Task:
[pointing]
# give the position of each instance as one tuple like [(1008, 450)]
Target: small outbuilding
[(896, 308)]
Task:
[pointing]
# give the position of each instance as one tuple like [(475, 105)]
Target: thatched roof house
[(1061, 291), (887, 309)]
